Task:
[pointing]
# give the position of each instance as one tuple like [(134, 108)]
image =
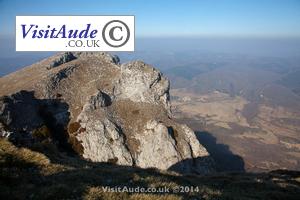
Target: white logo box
[(88, 33)]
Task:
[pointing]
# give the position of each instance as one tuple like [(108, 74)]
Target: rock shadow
[(220, 158), (30, 119), (200, 165), (225, 159)]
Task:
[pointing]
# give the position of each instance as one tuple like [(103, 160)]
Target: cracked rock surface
[(110, 112)]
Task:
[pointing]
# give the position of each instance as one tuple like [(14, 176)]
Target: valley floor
[(265, 137)]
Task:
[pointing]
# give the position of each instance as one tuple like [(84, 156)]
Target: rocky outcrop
[(20, 111), (99, 100), (157, 146), (55, 79), (118, 113), (140, 82), (64, 58), (101, 139), (26, 119), (161, 143)]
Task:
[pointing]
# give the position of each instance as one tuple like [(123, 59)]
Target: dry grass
[(135, 114), (42, 132), (29, 174), (13, 156)]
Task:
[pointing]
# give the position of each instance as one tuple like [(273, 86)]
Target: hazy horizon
[(256, 28), (10, 60)]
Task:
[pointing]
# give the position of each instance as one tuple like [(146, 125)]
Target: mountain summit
[(103, 110)]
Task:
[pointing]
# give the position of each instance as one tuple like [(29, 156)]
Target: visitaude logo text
[(75, 33)]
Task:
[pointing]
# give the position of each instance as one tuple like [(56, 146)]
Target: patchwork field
[(265, 140)]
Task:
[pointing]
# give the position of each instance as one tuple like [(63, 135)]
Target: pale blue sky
[(156, 18)]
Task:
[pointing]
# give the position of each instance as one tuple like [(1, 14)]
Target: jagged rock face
[(140, 82), (66, 57), (116, 113), (159, 151), (19, 111), (102, 140), (161, 143)]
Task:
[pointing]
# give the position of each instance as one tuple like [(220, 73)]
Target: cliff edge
[(105, 111)]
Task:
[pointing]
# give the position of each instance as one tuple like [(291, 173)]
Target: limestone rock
[(101, 99), (164, 148), (118, 113), (157, 147), (140, 82), (19, 111), (101, 139), (55, 79), (64, 58)]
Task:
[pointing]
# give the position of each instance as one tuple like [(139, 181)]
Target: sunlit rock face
[(109, 112)]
